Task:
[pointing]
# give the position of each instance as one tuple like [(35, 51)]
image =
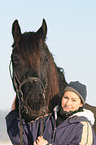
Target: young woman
[(68, 124)]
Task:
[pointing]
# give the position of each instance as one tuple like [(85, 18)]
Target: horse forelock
[(27, 49)]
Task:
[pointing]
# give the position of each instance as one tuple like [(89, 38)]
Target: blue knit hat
[(78, 88)]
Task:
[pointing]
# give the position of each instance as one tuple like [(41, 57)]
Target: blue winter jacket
[(73, 131)]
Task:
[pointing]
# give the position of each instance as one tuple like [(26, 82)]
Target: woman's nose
[(68, 102)]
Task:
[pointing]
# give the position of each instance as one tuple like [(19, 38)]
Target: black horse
[(37, 80)]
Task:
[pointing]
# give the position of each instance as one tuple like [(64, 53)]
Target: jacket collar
[(87, 114), (72, 120)]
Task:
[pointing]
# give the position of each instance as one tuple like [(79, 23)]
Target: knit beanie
[(78, 88)]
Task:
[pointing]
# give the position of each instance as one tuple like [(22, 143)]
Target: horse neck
[(53, 80)]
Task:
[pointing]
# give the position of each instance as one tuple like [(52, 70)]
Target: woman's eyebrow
[(74, 98)]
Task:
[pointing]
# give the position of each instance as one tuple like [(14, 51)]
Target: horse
[(36, 78), (35, 75)]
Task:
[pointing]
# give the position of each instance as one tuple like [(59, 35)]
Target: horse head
[(36, 78)]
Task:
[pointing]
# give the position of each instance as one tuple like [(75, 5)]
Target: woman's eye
[(74, 100), (65, 97)]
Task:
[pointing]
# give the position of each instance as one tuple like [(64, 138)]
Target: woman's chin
[(67, 109)]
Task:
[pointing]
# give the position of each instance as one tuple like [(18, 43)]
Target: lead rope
[(21, 128), (43, 113), (42, 124), (18, 92)]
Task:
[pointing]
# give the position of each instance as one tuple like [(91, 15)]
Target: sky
[(71, 38)]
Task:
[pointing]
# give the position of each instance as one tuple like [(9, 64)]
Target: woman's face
[(70, 101)]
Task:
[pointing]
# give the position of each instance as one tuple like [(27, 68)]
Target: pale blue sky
[(71, 38)]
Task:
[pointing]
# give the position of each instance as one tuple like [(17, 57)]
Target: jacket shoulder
[(77, 119)]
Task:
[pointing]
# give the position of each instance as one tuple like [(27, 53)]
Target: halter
[(19, 94)]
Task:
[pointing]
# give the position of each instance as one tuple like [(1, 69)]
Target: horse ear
[(43, 29), (16, 31)]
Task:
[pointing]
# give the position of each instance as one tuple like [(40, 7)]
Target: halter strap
[(31, 79)]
